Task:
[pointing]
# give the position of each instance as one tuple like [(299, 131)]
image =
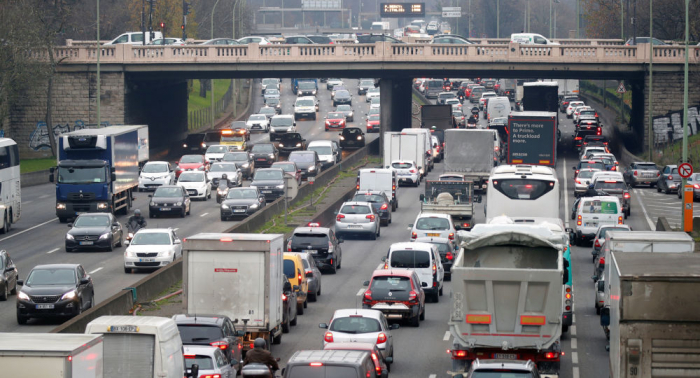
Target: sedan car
[(152, 248), (221, 41), (290, 168), (669, 180), (352, 137), (264, 154), (8, 275), (372, 92), (241, 202), (322, 243), (268, 111), (94, 231), (169, 199), (364, 86), (459, 119), (271, 93), (335, 120), (154, 174), (360, 325), (308, 163), (243, 160), (291, 142), (258, 122), (54, 290), (196, 183), (373, 123), (270, 182), (330, 83), (435, 225), (342, 97), (357, 218), (450, 39), (230, 169), (191, 163), (347, 111), (380, 202), (397, 293)]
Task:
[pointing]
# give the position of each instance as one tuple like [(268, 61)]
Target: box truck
[(471, 153), (533, 138), (405, 146), (541, 96)]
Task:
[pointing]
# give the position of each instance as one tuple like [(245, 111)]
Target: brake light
[(599, 131), (670, 177), (459, 353), (377, 365), (284, 297), (601, 261), (384, 207), (619, 219), (412, 296), (578, 138), (658, 174), (578, 181), (635, 172), (328, 337), (451, 236), (190, 356), (614, 168), (220, 344), (299, 277), (551, 355), (357, 187), (412, 170), (370, 217), (313, 224), (579, 220), (339, 217), (434, 268), (210, 376), (289, 246), (368, 295), (317, 363), (696, 186), (626, 196), (381, 338), (465, 225), (413, 235)]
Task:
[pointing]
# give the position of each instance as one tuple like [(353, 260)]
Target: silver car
[(583, 180), (436, 225), (313, 275), (357, 218)]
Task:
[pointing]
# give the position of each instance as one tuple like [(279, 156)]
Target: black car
[(270, 182), (264, 154), (94, 231), (169, 199), (54, 290), (371, 38), (244, 161), (291, 142), (320, 39), (241, 202), (298, 40), (380, 202), (194, 144), (274, 103), (307, 161), (342, 97), (214, 330), (364, 86), (8, 277), (321, 243), (352, 137), (289, 313), (585, 130)]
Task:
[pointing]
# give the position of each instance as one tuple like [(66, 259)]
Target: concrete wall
[(34, 178), (396, 97)]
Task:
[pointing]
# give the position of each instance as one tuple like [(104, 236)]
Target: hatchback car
[(8, 275), (328, 364), (211, 360), (290, 169), (197, 184), (342, 97), (432, 225), (321, 243), (241, 202), (194, 143), (381, 365), (152, 248), (191, 163), (307, 162), (335, 120), (282, 124), (599, 238), (669, 180), (422, 258), (332, 82), (54, 290), (271, 93), (268, 111), (264, 154), (293, 268), (212, 330), (313, 275), (154, 174), (503, 369), (363, 325), (347, 111), (328, 152), (216, 152), (371, 93), (274, 103), (94, 231), (291, 142), (373, 124), (357, 218), (407, 172), (232, 172), (352, 137), (289, 305), (243, 160), (397, 293), (447, 250), (583, 180), (693, 180), (380, 202), (169, 199), (270, 182)]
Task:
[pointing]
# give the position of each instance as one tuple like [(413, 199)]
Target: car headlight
[(102, 206), (290, 129), (254, 206), (330, 159), (246, 165), (312, 168), (179, 203), (23, 296), (201, 168), (69, 237), (165, 253), (224, 206), (359, 137), (106, 235), (204, 145), (272, 156), (342, 137), (280, 186), (281, 145), (350, 114), (69, 295), (299, 144)]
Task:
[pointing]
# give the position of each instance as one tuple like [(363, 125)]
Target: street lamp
[(498, 18)]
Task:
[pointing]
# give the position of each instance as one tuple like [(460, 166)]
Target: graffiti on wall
[(669, 127), (39, 139)]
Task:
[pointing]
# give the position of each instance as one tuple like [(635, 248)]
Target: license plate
[(164, 209), (505, 356), (239, 211), (260, 159), (86, 243), (147, 260), (592, 224), (433, 234), (354, 226), (44, 306), (309, 251), (266, 191)]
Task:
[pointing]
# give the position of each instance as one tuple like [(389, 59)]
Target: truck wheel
[(300, 309), (312, 297), (62, 220), (6, 225), (564, 328), (277, 339), (293, 322), (285, 327)]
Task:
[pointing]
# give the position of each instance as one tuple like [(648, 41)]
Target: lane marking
[(29, 229), (644, 210), (432, 376), (203, 215), (53, 250), (362, 291), (447, 336), (26, 202), (576, 373), (574, 343), (44, 196), (574, 358), (566, 196), (572, 329), (176, 228), (573, 318), (96, 270)]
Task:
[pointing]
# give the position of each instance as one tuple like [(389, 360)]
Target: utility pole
[(634, 25), (651, 71), (498, 18), (211, 81), (99, 90), (685, 104), (185, 12), (469, 31), (622, 21), (143, 20), (578, 19), (150, 22)]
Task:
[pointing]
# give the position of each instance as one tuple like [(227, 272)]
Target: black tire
[(120, 242), (422, 315), (415, 321), (667, 191), (22, 320), (62, 220), (312, 297), (183, 213), (440, 291), (150, 215), (564, 329), (300, 309), (597, 310), (6, 226), (285, 327), (373, 236), (277, 340), (14, 289), (110, 248), (127, 270), (223, 218), (189, 210), (293, 322), (5, 293), (306, 304)]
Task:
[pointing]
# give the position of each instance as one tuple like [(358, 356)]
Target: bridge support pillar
[(396, 103)]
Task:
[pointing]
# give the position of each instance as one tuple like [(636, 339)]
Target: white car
[(196, 183), (578, 110), (154, 174), (572, 106), (330, 83), (305, 107), (372, 92), (232, 172), (432, 224), (406, 172), (258, 122), (583, 180), (211, 360), (215, 152), (362, 326), (328, 152), (151, 248), (254, 39), (375, 103), (456, 105)]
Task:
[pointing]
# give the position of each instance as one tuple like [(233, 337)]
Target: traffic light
[(182, 27), (162, 25), (185, 8)]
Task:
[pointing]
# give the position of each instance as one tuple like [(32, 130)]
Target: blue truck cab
[(98, 169), (295, 84)]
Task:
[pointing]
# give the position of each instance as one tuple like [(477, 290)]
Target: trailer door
[(129, 355)]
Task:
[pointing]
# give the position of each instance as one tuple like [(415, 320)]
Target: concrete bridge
[(147, 84)]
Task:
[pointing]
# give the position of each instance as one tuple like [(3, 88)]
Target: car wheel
[(285, 327), (127, 270), (223, 218), (120, 242), (189, 209), (293, 322), (564, 328), (373, 236), (111, 247), (422, 315), (440, 292), (312, 297), (150, 215), (183, 213), (415, 321), (277, 340), (21, 320), (306, 304), (300, 309), (597, 310), (658, 189), (5, 293), (667, 191), (63, 220)]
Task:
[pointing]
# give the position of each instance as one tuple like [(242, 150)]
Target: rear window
[(355, 324), (647, 166), (594, 165), (355, 209), (524, 189), (402, 165), (199, 333), (368, 198), (599, 207), (410, 259), (586, 174), (314, 240), (608, 185), (501, 373), (433, 224), (606, 229), (289, 269), (392, 283), (325, 371), (204, 362)]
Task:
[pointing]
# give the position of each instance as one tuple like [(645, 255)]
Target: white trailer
[(424, 146), (237, 275), (472, 153), (404, 146), (51, 355), (654, 319)]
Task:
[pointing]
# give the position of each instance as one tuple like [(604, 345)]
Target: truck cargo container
[(439, 116), (455, 198), (541, 96), (405, 146), (471, 153), (507, 88), (532, 138)]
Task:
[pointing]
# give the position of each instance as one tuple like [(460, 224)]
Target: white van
[(134, 38), (530, 39), (424, 259), (384, 180), (498, 107), (328, 152), (593, 212), (425, 142), (137, 344)]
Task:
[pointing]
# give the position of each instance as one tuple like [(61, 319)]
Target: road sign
[(685, 170), (621, 88), (451, 12)]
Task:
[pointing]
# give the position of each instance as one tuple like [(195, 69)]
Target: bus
[(522, 191), (10, 189)]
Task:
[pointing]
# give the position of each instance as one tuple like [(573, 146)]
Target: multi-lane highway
[(38, 238)]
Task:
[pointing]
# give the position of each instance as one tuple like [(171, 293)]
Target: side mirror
[(295, 287), (234, 362), (383, 258), (366, 283), (574, 167), (150, 196), (323, 325), (194, 371), (20, 282), (178, 241), (424, 284), (51, 178), (84, 281), (421, 197), (395, 326), (70, 225), (605, 316), (113, 176), (240, 333), (410, 225)]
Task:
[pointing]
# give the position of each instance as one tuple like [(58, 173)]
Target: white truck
[(566, 86), (237, 275), (383, 180), (471, 153), (404, 146), (424, 145), (51, 355), (654, 317), (507, 297), (455, 198)]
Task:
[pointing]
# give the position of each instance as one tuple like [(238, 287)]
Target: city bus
[(10, 189), (522, 191)]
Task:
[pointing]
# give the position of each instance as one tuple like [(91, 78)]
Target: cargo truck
[(507, 88), (51, 355), (439, 116), (98, 169), (541, 96), (295, 84), (533, 138), (654, 315), (567, 87), (405, 146), (471, 153), (507, 297), (455, 198), (237, 275)]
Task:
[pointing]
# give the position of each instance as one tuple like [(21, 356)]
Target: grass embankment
[(672, 153), (195, 102), (33, 165)]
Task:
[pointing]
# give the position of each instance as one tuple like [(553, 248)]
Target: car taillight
[(434, 268), (465, 225), (551, 355), (284, 297), (368, 295), (696, 186), (412, 170), (377, 365), (658, 174), (599, 131), (384, 206), (635, 173), (412, 296), (449, 255), (339, 217), (210, 376), (289, 246), (451, 236), (670, 177), (626, 196), (578, 181), (220, 344), (328, 337), (381, 338), (614, 168), (413, 235), (579, 221), (370, 217), (601, 261), (619, 219)]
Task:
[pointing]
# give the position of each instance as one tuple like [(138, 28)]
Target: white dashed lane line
[(447, 336), (96, 270), (53, 250), (204, 215)]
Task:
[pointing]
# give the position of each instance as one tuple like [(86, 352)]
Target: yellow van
[(294, 270)]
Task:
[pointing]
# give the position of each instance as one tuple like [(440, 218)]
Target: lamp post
[(498, 18), (622, 21), (554, 27), (211, 81), (550, 19), (651, 69), (99, 117), (685, 101), (233, 18)]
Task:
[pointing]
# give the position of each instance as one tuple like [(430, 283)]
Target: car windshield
[(501, 373), (285, 167), (263, 148), (447, 95), (355, 325), (321, 150), (81, 175), (592, 164), (316, 240), (232, 138), (269, 81), (51, 277), (373, 90), (367, 83), (292, 137), (192, 159), (342, 93), (410, 259), (355, 209), (269, 175), (217, 149), (610, 185), (344, 108), (307, 85), (305, 102), (586, 173), (199, 333), (272, 91), (430, 223), (372, 198), (151, 238), (267, 110), (402, 165), (272, 101), (457, 113), (219, 167), (599, 207), (257, 117), (335, 371), (373, 117), (375, 100), (92, 221), (336, 115), (352, 131), (240, 193), (240, 156), (191, 177), (301, 158), (167, 192), (285, 121), (155, 168)]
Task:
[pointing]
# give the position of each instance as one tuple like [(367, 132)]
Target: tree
[(169, 12)]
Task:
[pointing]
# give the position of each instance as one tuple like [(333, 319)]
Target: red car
[(335, 120), (373, 123), (391, 287), (191, 163)]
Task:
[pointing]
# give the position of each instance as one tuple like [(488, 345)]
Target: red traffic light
[(182, 27), (162, 25)]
